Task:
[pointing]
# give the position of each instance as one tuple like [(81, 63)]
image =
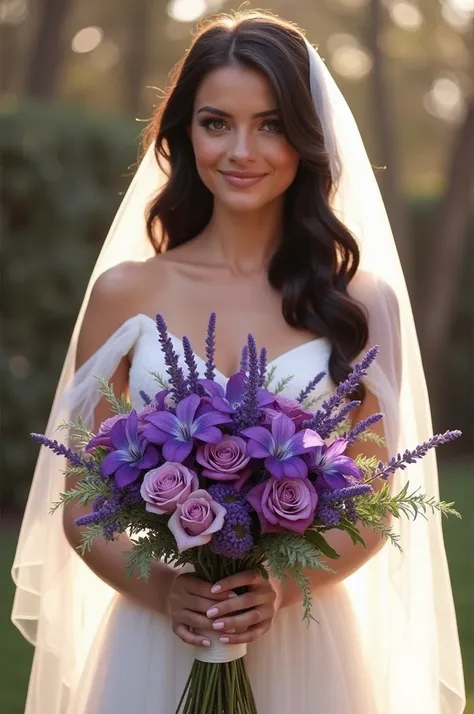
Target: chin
[(243, 203)]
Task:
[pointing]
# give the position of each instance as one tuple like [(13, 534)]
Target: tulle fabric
[(401, 629)]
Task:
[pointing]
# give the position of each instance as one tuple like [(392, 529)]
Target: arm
[(108, 308)]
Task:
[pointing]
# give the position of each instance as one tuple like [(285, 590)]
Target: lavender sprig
[(332, 423), (401, 461), (244, 360), (193, 374), (146, 399), (248, 413), (210, 372), (263, 366), (63, 450), (321, 422), (177, 381), (349, 492), (304, 394), (353, 434), (327, 510)]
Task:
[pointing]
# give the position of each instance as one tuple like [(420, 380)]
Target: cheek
[(207, 150), (285, 161)]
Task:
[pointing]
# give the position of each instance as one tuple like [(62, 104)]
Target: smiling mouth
[(243, 179)]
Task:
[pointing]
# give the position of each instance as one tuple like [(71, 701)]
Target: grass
[(457, 484)]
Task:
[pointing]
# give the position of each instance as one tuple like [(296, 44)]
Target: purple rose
[(102, 438), (293, 409), (223, 461), (194, 521), (284, 504), (166, 486)]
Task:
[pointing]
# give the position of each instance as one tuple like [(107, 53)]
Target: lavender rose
[(195, 520), (293, 409), (284, 504), (166, 486), (223, 461)]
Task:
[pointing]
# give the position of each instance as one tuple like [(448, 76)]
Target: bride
[(256, 200)]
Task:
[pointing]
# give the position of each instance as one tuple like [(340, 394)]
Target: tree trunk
[(7, 56), (383, 120), (47, 49), (135, 56), (450, 233)]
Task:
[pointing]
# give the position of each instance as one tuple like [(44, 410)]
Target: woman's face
[(242, 154)]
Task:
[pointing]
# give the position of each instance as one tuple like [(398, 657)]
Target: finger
[(196, 603), (241, 602), (184, 634), (250, 635), (192, 619), (244, 579), (245, 620), (197, 586)]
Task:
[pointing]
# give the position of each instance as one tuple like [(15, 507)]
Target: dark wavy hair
[(317, 256)]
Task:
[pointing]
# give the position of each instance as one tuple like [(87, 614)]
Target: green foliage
[(121, 405), (162, 382), (290, 555), (63, 175)]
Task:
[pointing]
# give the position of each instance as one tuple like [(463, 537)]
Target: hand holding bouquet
[(233, 479)]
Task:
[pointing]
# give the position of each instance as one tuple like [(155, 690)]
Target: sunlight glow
[(458, 13), (13, 12), (406, 15), (352, 62), (187, 10), (87, 39), (106, 56), (445, 100)]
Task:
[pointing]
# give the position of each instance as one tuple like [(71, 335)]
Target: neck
[(244, 241)]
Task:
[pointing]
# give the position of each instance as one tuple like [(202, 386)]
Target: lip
[(242, 179)]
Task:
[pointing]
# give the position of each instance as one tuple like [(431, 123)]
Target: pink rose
[(287, 504), (102, 438), (166, 486), (194, 521), (293, 409), (223, 461)]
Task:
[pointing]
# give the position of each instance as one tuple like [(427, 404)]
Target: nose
[(242, 147)]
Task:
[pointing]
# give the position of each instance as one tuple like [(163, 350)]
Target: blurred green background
[(78, 80)]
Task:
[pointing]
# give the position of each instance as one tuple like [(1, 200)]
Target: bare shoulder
[(371, 290), (115, 297)]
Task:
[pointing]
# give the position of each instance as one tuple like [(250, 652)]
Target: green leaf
[(319, 542), (162, 382)]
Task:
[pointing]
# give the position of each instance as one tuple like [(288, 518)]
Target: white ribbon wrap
[(218, 652)]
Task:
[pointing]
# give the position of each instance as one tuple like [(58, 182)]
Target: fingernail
[(212, 612), (230, 632), (224, 640), (231, 595), (216, 588), (217, 625), (206, 643)]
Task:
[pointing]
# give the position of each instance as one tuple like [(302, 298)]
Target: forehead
[(236, 90)]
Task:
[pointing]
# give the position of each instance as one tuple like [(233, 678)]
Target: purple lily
[(132, 453), (282, 447), (333, 469), (177, 432), (229, 399)]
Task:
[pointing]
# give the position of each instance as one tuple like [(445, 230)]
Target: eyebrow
[(222, 113)]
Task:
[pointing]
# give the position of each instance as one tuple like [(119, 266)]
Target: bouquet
[(232, 479)]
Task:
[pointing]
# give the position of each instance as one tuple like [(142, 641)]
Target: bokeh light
[(351, 62), (13, 12), (187, 10), (406, 15), (445, 99), (87, 39)]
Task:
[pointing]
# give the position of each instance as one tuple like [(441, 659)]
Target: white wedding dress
[(138, 666)]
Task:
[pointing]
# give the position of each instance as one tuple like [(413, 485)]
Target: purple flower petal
[(304, 441), (126, 474), (275, 467), (149, 459), (165, 421), (282, 429), (254, 497), (186, 409), (256, 450), (262, 436), (112, 462), (211, 435), (131, 427), (335, 449), (222, 405), (264, 397), (118, 435), (213, 389), (177, 450), (204, 421), (154, 435), (332, 480), (295, 468), (235, 388)]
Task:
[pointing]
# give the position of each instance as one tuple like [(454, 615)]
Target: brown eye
[(273, 126), (213, 124)]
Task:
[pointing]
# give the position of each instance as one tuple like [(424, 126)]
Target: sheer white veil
[(403, 601)]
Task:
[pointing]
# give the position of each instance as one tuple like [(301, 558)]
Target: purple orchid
[(282, 447), (132, 453), (229, 399), (333, 469), (177, 432)]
